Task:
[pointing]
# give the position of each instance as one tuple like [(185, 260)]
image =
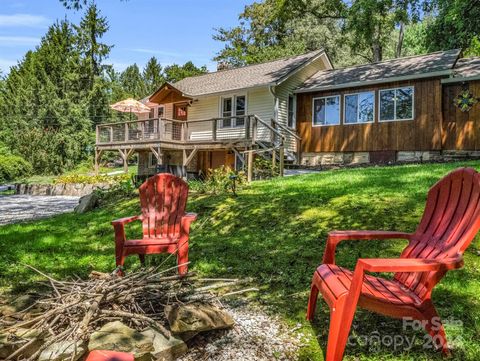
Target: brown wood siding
[(422, 133), (461, 130)]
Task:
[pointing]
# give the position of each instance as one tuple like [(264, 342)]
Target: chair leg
[(119, 260), (142, 259), (182, 257), (434, 327), (336, 343), (312, 300)]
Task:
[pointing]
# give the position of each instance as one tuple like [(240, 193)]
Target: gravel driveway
[(19, 208)]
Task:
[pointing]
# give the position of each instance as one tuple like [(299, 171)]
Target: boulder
[(163, 349), (197, 317), (63, 351), (115, 336), (10, 342), (17, 304), (87, 203)]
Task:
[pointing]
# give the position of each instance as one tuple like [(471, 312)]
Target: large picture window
[(231, 107), (396, 104), (359, 108), (326, 111)]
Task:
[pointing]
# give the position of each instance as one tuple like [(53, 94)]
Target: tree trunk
[(377, 52), (401, 34)]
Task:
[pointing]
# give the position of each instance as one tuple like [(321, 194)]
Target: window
[(160, 112), (396, 104), (151, 115), (326, 111), (231, 107), (291, 111), (359, 108)]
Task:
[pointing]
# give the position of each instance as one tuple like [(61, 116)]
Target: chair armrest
[(335, 237), (126, 220), (186, 221), (409, 264)]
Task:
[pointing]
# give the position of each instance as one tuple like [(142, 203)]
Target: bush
[(219, 180), (92, 179), (120, 191), (13, 167), (263, 169)]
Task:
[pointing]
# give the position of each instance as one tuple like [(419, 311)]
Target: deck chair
[(449, 224), (166, 226)]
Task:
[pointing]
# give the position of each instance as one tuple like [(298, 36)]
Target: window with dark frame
[(291, 112)]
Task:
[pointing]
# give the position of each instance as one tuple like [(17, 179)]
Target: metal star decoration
[(465, 100)]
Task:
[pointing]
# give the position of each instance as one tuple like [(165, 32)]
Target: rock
[(87, 203), (17, 304), (11, 342), (197, 317), (6, 347), (164, 349), (115, 336), (63, 351)]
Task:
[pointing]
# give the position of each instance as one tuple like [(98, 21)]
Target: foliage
[(13, 167), (92, 179), (152, 75), (264, 169), (132, 82), (274, 233), (455, 26), (121, 190), (175, 72), (220, 180), (474, 48)]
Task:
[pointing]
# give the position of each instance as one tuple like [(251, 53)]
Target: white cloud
[(18, 41), (23, 20)]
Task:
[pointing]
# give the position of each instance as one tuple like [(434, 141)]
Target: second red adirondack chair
[(449, 224), (166, 226)]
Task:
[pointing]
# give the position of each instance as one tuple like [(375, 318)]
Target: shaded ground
[(17, 208)]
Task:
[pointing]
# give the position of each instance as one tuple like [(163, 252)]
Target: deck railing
[(248, 128)]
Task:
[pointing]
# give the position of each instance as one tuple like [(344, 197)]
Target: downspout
[(275, 99)]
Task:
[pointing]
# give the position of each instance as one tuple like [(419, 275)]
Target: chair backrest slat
[(163, 199), (449, 224)]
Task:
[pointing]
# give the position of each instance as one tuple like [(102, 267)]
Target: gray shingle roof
[(467, 67), (421, 66), (244, 77)]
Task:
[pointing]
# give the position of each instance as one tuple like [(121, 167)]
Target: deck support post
[(98, 154), (124, 153), (282, 160), (250, 166), (274, 158)]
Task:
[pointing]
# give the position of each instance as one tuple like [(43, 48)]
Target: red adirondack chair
[(449, 224), (166, 226)]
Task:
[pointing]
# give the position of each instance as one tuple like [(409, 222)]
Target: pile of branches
[(76, 308)]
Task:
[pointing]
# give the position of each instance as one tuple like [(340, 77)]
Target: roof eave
[(357, 84), (232, 90), (460, 79), (300, 67)]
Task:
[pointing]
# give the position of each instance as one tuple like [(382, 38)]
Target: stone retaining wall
[(70, 189), (353, 158)]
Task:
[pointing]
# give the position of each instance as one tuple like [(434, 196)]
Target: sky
[(174, 31)]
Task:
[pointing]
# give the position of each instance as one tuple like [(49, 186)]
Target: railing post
[(97, 134), (247, 127), (214, 130), (182, 132), (126, 133), (299, 151), (254, 130), (111, 134), (282, 160), (250, 166), (272, 133), (143, 130)]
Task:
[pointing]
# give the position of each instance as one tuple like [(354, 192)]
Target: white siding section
[(262, 104), (288, 86)]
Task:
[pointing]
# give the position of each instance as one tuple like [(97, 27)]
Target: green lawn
[(274, 232)]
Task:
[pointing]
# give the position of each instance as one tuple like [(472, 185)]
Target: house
[(210, 120), (398, 110), (300, 109)]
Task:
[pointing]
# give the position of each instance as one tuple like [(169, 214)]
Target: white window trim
[(294, 125), (345, 108), (339, 111), (150, 160), (395, 105), (234, 109), (163, 107)]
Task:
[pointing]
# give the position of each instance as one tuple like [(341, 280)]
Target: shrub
[(120, 191), (13, 167), (219, 180), (263, 169), (92, 179)]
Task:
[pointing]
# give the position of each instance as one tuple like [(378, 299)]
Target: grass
[(274, 232)]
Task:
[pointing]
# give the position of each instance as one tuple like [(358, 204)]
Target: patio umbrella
[(130, 105)]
